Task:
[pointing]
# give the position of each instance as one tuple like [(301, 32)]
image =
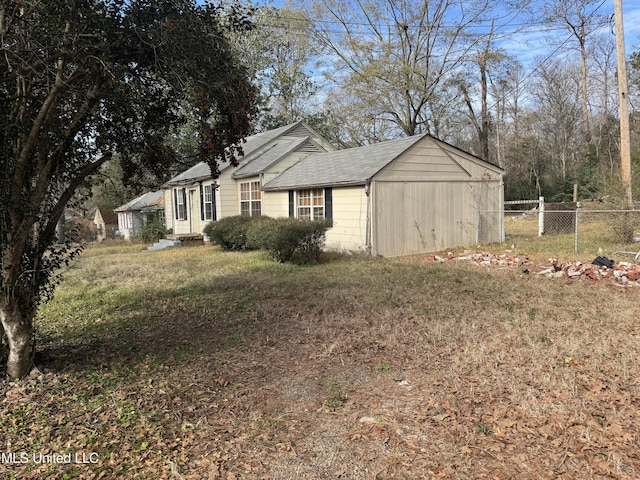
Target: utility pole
[(625, 148)]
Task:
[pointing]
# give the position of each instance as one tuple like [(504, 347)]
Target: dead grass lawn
[(198, 364)]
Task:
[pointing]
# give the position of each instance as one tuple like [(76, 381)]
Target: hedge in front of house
[(291, 240), (286, 239), (229, 232)]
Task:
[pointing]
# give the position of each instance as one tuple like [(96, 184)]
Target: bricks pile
[(622, 273)]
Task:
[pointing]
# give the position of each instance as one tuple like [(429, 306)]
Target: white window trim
[(208, 191), (181, 205), (312, 204), (253, 198)]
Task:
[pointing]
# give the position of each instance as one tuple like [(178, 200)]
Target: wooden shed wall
[(428, 160), (418, 217), (431, 198)]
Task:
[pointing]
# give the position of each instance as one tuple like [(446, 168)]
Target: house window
[(180, 197), (311, 204), (207, 202), (250, 199), (153, 216)]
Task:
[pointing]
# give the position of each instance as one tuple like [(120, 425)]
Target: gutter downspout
[(367, 245)]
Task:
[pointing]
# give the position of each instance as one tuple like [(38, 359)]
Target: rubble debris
[(622, 273), (603, 262)]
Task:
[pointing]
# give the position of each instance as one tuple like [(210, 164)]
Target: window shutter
[(175, 203), (292, 211), (201, 202), (213, 202), (184, 202), (328, 202)]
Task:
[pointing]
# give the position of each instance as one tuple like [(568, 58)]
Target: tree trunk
[(18, 327)]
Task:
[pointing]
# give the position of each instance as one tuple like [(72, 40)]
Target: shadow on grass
[(214, 320), (174, 326)]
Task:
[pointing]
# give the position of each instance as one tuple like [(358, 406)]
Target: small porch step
[(187, 239)]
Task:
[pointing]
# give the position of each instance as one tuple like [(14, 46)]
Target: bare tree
[(556, 92), (396, 57), (282, 54), (581, 19), (486, 63)]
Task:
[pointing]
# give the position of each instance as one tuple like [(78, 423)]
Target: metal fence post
[(575, 242), (541, 216)]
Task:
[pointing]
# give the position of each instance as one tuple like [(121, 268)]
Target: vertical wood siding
[(419, 217)]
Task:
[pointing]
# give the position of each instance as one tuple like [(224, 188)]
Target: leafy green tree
[(82, 81)]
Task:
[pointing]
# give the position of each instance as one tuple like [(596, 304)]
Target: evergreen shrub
[(286, 239)]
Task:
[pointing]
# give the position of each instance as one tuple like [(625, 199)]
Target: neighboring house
[(137, 213), (400, 197), (106, 223)]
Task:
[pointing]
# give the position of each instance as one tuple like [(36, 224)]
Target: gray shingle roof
[(145, 201), (353, 166), (201, 171), (275, 152)]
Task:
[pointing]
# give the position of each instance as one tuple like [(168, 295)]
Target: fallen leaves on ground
[(440, 373)]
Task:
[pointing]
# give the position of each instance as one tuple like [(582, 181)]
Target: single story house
[(194, 198), (106, 223), (401, 197), (137, 213)]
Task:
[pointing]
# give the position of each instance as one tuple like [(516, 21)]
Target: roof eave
[(349, 183), (187, 181)]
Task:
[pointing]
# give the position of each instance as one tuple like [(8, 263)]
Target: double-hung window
[(250, 199), (180, 202), (311, 204), (208, 203)]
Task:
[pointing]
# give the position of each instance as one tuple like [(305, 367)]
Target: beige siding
[(229, 197), (169, 216), (432, 198), (429, 160), (194, 222), (176, 226), (349, 220), (275, 204), (418, 217)]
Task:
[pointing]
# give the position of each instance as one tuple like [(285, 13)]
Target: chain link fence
[(557, 229)]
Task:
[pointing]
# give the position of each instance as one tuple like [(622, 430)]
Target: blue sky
[(534, 42)]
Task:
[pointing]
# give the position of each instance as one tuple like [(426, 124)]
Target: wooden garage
[(402, 197)]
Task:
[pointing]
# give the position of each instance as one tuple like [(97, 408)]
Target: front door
[(193, 219)]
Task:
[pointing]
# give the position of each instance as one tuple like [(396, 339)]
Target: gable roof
[(251, 164), (275, 152), (355, 166), (352, 166), (198, 172), (146, 201)]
